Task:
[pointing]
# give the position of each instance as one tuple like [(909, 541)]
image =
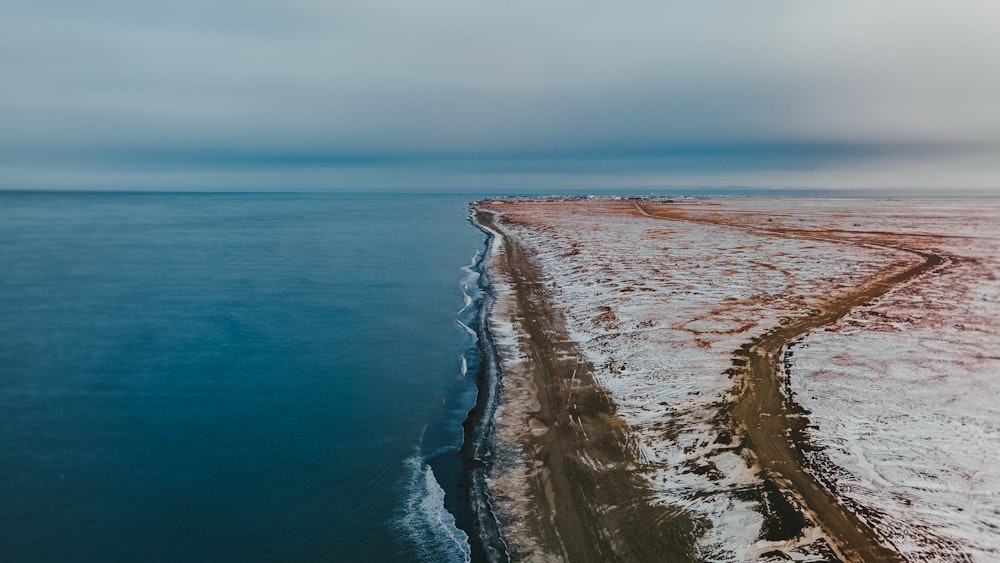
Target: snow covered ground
[(902, 394)]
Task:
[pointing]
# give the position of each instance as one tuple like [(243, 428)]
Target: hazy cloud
[(313, 94)]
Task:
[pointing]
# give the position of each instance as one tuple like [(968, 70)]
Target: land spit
[(579, 479)]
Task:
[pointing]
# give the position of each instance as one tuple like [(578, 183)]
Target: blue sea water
[(251, 377)]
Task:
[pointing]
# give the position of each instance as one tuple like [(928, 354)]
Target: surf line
[(478, 426)]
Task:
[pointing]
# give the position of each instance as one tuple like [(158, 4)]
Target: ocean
[(232, 377)]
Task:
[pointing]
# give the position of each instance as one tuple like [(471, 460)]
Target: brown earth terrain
[(773, 428), (592, 505)]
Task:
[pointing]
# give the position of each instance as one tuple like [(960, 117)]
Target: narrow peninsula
[(667, 367)]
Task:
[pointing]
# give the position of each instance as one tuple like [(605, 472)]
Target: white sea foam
[(466, 327), (468, 299), (470, 280), (423, 520), (465, 366)]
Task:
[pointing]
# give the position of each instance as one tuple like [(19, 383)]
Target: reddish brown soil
[(594, 506), (770, 426)]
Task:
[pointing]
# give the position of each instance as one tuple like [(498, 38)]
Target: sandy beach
[(566, 484), (647, 410)]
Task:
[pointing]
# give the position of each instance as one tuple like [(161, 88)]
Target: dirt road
[(773, 431), (590, 502)]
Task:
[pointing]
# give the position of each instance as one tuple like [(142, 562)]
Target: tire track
[(591, 506), (767, 422)]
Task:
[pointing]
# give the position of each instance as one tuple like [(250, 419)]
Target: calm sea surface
[(231, 376)]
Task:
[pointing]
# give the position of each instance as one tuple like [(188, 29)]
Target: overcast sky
[(447, 94)]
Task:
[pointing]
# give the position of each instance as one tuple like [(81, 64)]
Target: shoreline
[(478, 426)]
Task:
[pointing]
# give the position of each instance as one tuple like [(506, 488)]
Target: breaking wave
[(423, 520)]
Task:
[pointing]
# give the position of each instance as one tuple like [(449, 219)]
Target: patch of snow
[(902, 392), (659, 307)]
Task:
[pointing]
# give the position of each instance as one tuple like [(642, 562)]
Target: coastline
[(478, 426), (455, 450)]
